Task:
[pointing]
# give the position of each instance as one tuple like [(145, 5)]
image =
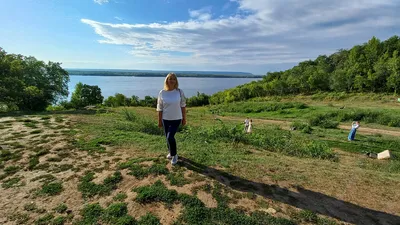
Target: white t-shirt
[(170, 103)]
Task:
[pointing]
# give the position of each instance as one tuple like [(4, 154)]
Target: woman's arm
[(183, 107), (159, 109)]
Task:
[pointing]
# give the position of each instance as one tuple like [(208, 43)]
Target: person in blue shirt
[(354, 126)]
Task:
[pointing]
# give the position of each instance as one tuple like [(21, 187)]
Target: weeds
[(61, 208), (141, 172), (115, 214), (149, 219), (19, 218), (51, 189), (156, 192), (90, 189), (11, 182), (45, 220), (120, 197), (177, 179)]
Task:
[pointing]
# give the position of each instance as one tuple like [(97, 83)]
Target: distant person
[(171, 108), (250, 127), (246, 124), (354, 126)]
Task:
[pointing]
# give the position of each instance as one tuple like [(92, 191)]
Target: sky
[(256, 36)]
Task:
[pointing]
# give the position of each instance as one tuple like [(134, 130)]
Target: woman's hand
[(159, 124), (183, 121)]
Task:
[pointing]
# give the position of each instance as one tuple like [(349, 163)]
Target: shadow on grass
[(303, 198)]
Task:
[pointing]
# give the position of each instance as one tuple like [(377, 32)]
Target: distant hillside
[(159, 73)]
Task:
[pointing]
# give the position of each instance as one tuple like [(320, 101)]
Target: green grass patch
[(61, 208), (44, 220), (32, 124), (149, 219), (90, 189), (6, 155), (140, 171), (195, 212), (30, 207), (156, 193), (114, 214), (36, 132), (12, 182), (41, 152), (256, 107), (11, 170), (58, 119), (59, 220), (8, 171), (19, 218), (54, 159), (33, 162), (177, 179), (51, 189), (120, 197)]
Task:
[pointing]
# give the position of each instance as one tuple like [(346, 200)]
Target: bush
[(257, 107), (55, 108), (200, 99), (85, 95)]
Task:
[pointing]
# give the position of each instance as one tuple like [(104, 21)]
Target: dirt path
[(286, 125)]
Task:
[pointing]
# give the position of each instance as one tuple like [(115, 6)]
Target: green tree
[(393, 82), (85, 95), (30, 84)]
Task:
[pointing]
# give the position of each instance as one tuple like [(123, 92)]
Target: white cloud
[(262, 32), (100, 2), (118, 18), (201, 14)]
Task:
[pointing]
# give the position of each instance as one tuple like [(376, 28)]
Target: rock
[(384, 155), (372, 155), (270, 211)]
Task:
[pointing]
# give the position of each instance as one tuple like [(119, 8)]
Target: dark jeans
[(170, 128)]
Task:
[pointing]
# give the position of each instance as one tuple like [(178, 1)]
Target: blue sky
[(230, 35)]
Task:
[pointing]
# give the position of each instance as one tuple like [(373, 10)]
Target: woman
[(171, 107), (354, 126)]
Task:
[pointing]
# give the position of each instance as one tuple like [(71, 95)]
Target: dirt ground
[(28, 136)]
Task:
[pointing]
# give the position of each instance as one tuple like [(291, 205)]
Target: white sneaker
[(174, 159), (169, 156)]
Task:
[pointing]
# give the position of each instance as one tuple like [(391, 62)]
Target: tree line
[(371, 67)]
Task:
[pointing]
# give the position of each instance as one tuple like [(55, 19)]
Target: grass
[(19, 218), (12, 182), (8, 171), (61, 208), (195, 211), (90, 189), (120, 197), (140, 171), (52, 188), (116, 213), (177, 179), (36, 132)]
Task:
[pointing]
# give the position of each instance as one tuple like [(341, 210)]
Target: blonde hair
[(168, 77)]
